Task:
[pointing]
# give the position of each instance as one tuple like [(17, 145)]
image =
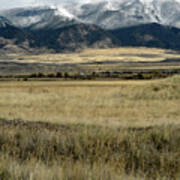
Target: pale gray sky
[(7, 4)]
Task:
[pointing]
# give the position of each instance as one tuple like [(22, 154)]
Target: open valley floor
[(90, 129)]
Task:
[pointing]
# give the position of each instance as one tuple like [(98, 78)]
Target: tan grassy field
[(125, 103), (91, 60), (126, 54), (96, 130)]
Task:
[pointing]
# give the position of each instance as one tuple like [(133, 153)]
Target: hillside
[(149, 35), (72, 38), (78, 36)]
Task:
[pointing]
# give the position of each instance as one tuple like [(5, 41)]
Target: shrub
[(59, 75), (51, 75), (40, 75)]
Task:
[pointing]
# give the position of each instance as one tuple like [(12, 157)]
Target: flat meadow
[(123, 54), (112, 103), (90, 129)]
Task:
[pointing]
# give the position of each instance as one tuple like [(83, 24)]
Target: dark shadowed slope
[(73, 37), (79, 36), (149, 35)]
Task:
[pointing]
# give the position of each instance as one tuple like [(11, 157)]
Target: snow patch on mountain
[(61, 11)]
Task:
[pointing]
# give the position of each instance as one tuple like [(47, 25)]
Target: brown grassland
[(93, 130), (126, 54), (112, 103), (89, 61)]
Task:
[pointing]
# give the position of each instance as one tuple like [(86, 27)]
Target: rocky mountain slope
[(12, 39), (98, 24), (66, 39), (72, 38)]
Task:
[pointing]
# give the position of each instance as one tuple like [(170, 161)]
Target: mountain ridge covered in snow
[(107, 14)]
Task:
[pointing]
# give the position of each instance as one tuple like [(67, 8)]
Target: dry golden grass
[(91, 55), (41, 151), (112, 103), (110, 130)]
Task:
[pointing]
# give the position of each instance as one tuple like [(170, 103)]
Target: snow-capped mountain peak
[(111, 14), (40, 17), (108, 14)]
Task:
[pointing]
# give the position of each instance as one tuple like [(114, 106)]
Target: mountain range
[(98, 24)]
